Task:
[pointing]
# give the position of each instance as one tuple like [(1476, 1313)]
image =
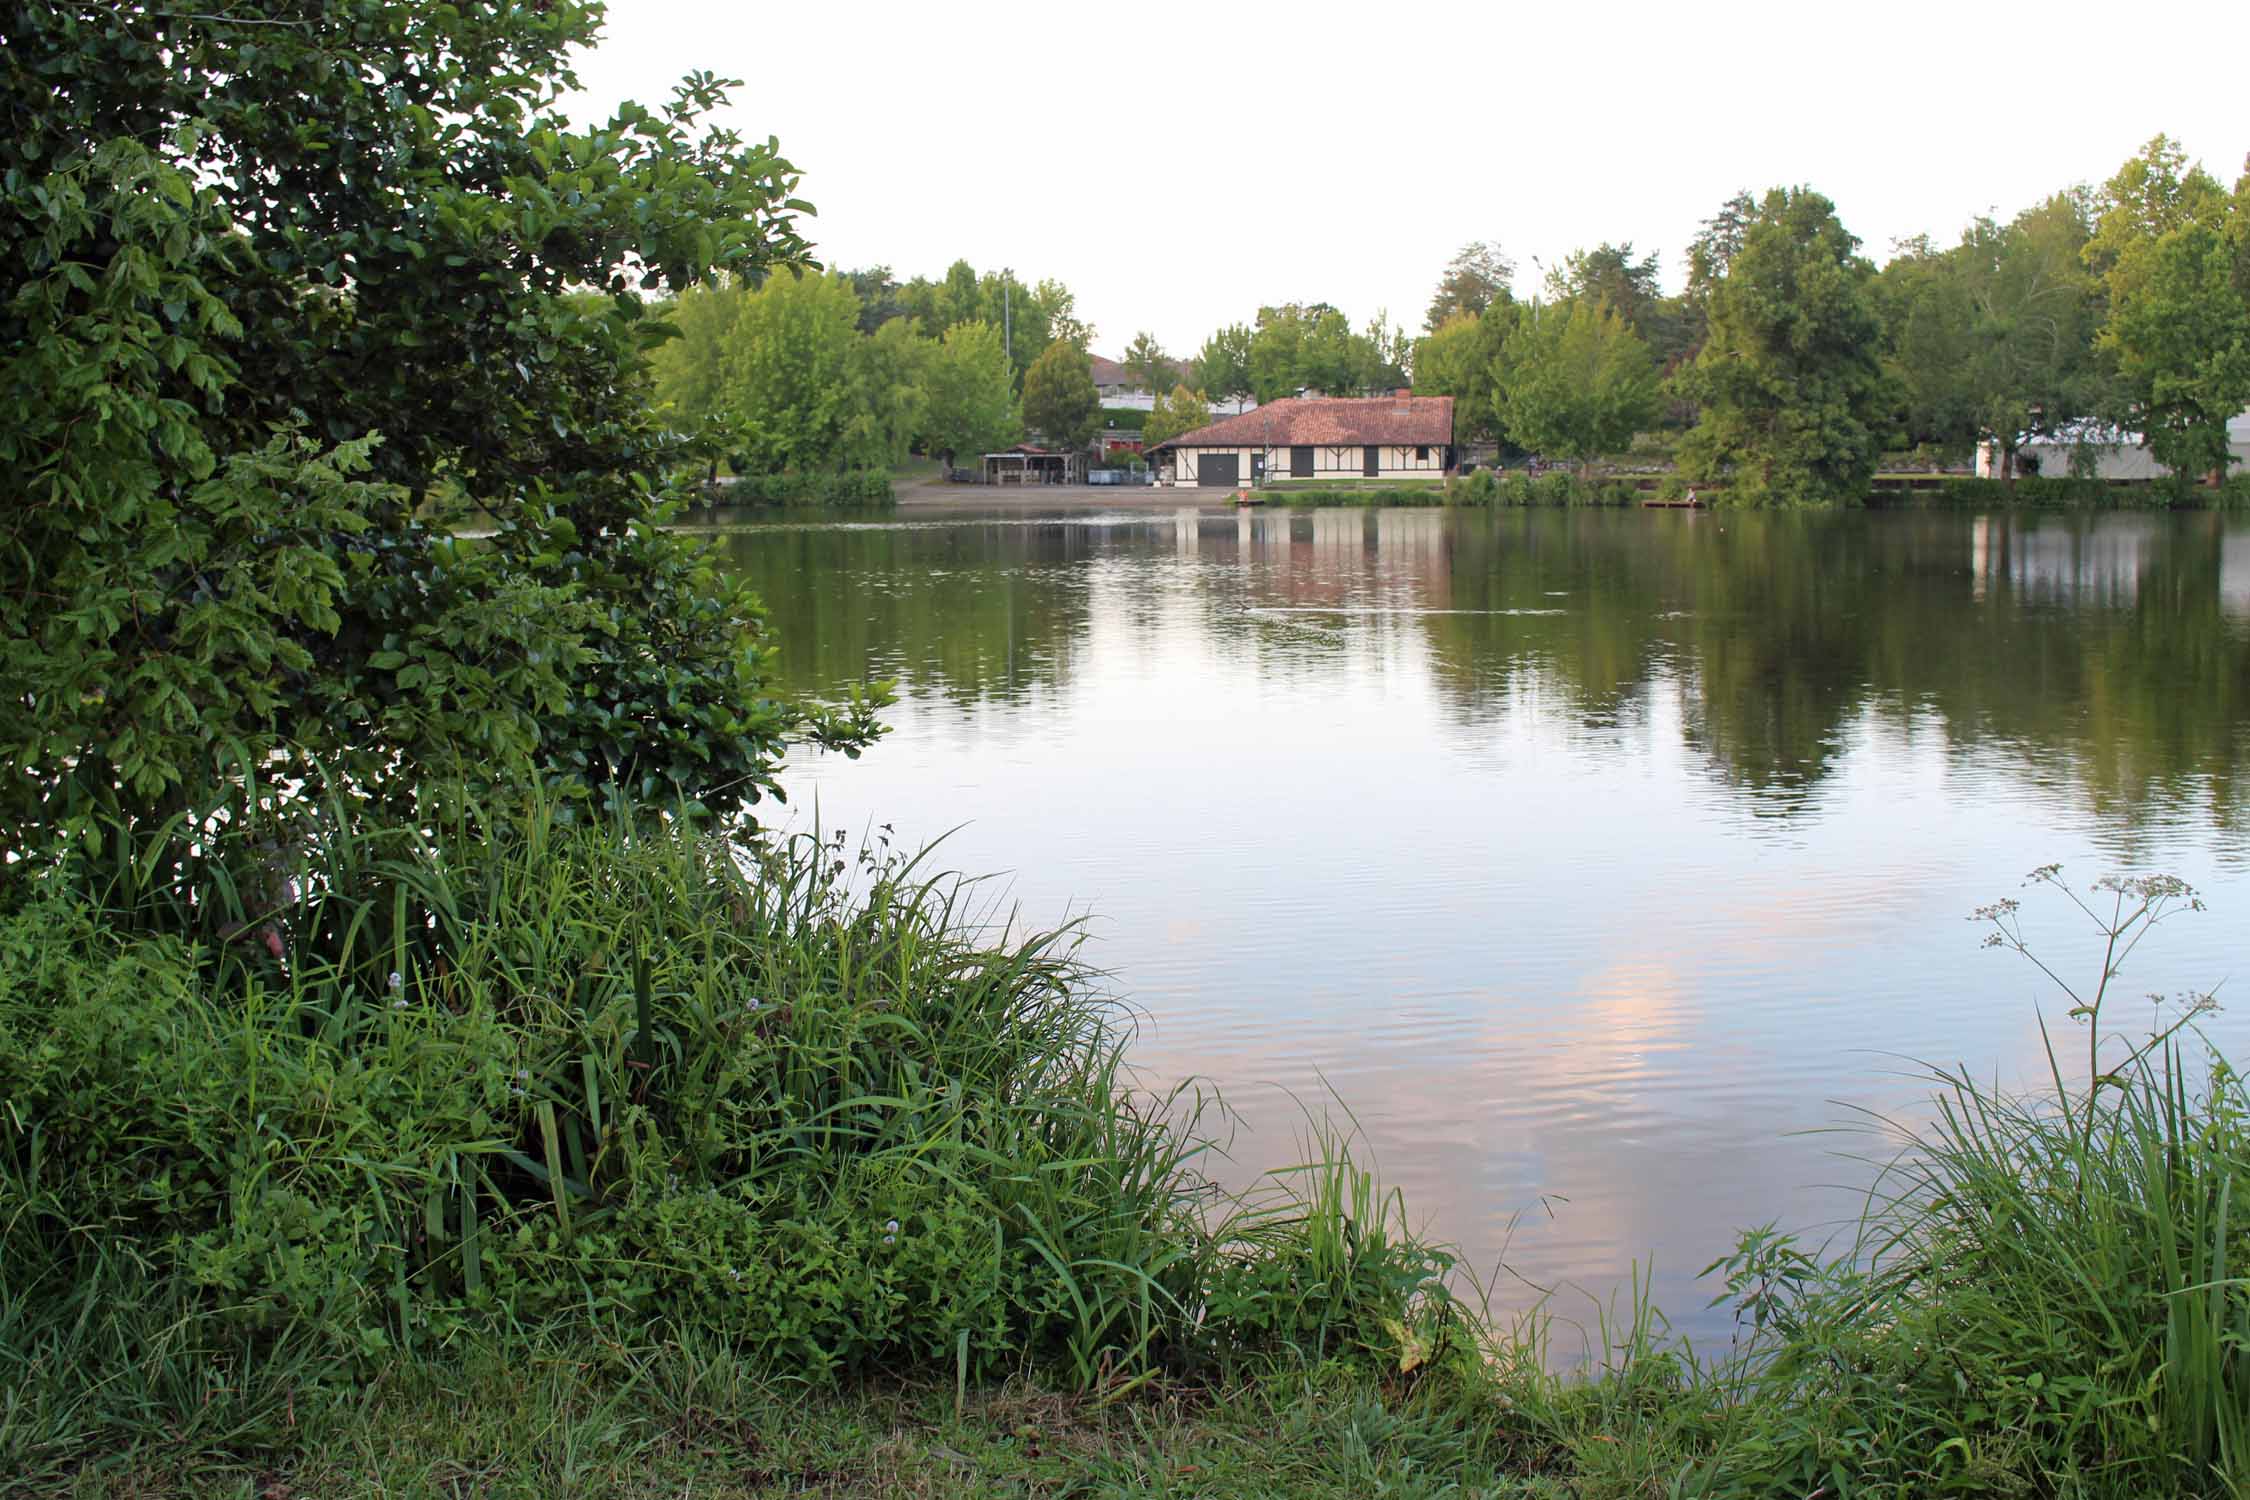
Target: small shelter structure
[(1027, 463)]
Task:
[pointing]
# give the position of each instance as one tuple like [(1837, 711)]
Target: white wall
[(1330, 463)]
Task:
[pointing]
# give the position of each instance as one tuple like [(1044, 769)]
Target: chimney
[(1402, 394)]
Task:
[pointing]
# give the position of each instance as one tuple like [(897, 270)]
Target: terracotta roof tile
[(1338, 421)]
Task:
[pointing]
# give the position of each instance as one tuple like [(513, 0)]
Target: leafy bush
[(1515, 488), (850, 487), (575, 1077), (246, 410)]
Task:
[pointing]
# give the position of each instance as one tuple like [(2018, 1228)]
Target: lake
[(1601, 864)]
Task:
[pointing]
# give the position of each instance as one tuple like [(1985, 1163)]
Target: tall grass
[(469, 1082)]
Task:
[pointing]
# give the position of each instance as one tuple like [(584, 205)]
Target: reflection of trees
[(2115, 647), (969, 612), (2119, 645)]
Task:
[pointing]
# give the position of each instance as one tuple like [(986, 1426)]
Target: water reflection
[(1585, 856)]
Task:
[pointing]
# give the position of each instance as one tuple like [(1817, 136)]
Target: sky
[(1178, 165)]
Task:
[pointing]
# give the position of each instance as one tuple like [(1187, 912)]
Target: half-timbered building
[(1315, 438)]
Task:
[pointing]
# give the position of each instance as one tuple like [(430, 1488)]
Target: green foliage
[(1459, 360), (1517, 490), (778, 371), (2047, 1298), (2171, 246), (1060, 402), (499, 1081), (1575, 381), (1297, 347), (271, 322), (1792, 396), (1124, 417), (1183, 410), (1145, 363), (971, 399), (1222, 367), (851, 487), (1475, 280)]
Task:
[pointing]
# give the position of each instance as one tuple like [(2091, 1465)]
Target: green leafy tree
[(1461, 360), (1059, 398), (1277, 352), (889, 374), (1184, 410), (786, 376), (1995, 339), (1574, 380), (1475, 279), (970, 395), (1793, 400), (2170, 245), (1145, 363), (369, 229), (1222, 367)]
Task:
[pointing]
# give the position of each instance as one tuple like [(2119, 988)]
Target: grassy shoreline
[(569, 1160)]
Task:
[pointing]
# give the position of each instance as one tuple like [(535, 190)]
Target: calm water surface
[(1597, 862)]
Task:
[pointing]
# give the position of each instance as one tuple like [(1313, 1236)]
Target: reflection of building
[(2234, 573), (2060, 561), (1316, 438)]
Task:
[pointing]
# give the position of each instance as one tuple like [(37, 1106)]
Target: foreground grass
[(672, 1425)]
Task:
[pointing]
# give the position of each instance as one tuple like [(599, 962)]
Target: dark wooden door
[(1374, 465), (1217, 469)]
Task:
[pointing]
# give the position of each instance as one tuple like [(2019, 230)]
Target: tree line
[(1791, 362), (810, 371)]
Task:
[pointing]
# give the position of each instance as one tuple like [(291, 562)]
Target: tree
[(971, 398), (889, 377), (1459, 360), (1575, 381), (279, 304), (1789, 381), (2170, 245), (1994, 339), (1183, 410), (1223, 366), (786, 376), (1477, 277), (1609, 275), (1146, 364), (1059, 399)]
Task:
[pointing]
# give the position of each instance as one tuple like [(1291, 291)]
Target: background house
[(1315, 438), (2112, 452)]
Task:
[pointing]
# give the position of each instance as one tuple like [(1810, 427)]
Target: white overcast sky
[(1179, 164)]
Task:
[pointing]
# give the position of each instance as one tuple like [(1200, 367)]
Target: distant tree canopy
[(1296, 346), (2173, 249), (1222, 367), (1574, 381), (1478, 276), (279, 305), (1994, 339), (1793, 397), (1183, 410), (1059, 399), (1461, 360), (1031, 315), (971, 403)]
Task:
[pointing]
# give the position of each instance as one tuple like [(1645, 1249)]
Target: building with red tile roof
[(1316, 437)]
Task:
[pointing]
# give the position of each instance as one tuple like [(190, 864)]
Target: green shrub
[(566, 1077), (851, 487), (1515, 488)]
